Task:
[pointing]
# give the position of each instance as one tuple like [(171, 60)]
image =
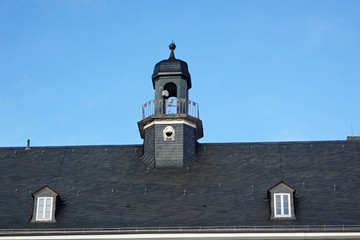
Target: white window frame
[(43, 217), (282, 205)]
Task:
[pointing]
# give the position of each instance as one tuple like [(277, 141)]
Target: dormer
[(282, 202), (44, 206)]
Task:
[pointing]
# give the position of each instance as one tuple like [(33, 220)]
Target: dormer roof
[(281, 185), (45, 189)]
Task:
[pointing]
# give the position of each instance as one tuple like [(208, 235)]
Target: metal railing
[(170, 106)]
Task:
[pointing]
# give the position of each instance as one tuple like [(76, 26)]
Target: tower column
[(170, 131)]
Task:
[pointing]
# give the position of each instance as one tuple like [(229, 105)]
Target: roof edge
[(265, 232), (282, 142), (205, 143), (71, 146)]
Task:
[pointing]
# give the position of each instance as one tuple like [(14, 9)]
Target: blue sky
[(77, 72)]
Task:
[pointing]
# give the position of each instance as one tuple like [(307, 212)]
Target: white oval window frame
[(169, 133)]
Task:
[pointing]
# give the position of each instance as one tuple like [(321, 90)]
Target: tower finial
[(172, 47)]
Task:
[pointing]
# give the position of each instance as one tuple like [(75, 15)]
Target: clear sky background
[(77, 72)]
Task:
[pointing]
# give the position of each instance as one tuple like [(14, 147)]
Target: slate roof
[(110, 187)]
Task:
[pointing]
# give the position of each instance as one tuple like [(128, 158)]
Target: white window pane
[(47, 215), (48, 208), (40, 214), (41, 202), (40, 208), (286, 211), (286, 204), (278, 198)]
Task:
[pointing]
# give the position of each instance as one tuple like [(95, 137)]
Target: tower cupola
[(170, 124), (171, 67)]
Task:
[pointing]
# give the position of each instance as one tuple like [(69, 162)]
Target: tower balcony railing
[(170, 106)]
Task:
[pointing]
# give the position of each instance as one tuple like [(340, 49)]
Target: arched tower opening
[(170, 98), (171, 89)]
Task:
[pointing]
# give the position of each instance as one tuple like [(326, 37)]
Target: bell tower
[(170, 124)]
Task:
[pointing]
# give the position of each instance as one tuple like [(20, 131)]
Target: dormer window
[(282, 202), (44, 206), (281, 205)]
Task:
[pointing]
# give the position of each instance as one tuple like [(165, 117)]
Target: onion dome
[(171, 67)]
